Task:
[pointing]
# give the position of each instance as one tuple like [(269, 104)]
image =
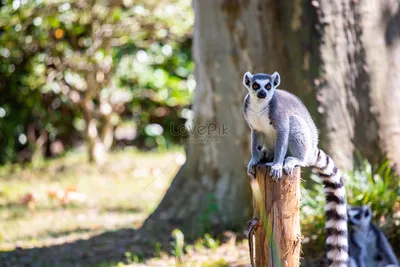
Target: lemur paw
[(276, 171), (251, 169), (289, 168)]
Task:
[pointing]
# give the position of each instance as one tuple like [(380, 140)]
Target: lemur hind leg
[(291, 163), (300, 146)]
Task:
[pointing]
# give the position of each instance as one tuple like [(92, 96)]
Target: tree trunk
[(212, 191), (37, 145), (358, 86), (277, 205), (107, 132), (340, 57), (96, 150), (381, 39)]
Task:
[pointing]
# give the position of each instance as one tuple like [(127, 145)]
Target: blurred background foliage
[(99, 72), (377, 186)]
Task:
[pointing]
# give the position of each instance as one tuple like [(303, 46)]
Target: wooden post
[(276, 205)]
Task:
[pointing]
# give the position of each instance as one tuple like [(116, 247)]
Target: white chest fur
[(258, 118)]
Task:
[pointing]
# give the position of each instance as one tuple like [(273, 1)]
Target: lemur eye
[(358, 216), (256, 86), (366, 213), (268, 86)]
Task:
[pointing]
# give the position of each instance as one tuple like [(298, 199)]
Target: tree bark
[(340, 57), (277, 204), (380, 22), (212, 190), (97, 152)]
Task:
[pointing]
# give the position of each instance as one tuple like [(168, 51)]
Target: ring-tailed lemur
[(280, 123), (368, 244)]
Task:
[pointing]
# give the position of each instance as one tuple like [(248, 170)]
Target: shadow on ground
[(107, 247)]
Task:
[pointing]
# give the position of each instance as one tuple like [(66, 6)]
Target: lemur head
[(261, 86), (360, 216)]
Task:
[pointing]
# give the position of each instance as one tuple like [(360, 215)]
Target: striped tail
[(335, 210)]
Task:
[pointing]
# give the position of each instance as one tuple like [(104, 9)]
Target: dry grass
[(122, 193), (117, 197)]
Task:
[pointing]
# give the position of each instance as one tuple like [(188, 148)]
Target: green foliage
[(178, 244), (157, 249), (132, 258), (380, 189), (199, 244), (211, 210), (131, 55), (211, 242), (217, 263)]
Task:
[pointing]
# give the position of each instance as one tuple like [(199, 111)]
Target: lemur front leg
[(387, 251), (257, 142), (363, 257), (281, 146)]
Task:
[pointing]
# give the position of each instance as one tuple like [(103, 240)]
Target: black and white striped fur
[(283, 132)]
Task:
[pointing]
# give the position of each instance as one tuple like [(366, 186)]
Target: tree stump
[(277, 232)]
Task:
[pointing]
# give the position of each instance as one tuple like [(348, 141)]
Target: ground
[(66, 212)]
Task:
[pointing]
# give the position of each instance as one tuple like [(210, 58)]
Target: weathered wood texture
[(277, 238)]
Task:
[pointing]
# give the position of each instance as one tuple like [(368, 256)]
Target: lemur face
[(359, 216), (261, 85)]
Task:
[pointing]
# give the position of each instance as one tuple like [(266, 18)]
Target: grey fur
[(281, 125), (295, 130), (368, 245)]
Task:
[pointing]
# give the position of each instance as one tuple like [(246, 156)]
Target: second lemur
[(369, 246), (283, 133)]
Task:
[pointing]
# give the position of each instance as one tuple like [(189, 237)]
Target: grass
[(122, 193), (205, 253)]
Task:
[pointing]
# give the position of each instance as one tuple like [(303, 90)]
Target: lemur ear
[(348, 207), (247, 79), (276, 79), (368, 210)]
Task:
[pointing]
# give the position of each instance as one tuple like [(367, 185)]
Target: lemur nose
[(261, 94)]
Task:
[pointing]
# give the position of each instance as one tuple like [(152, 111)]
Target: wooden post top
[(276, 206)]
